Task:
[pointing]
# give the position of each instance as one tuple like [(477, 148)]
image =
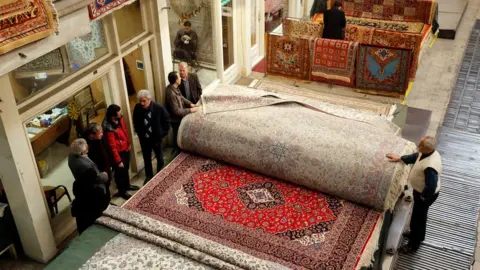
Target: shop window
[(52, 132), (254, 24), (129, 21), (199, 14), (275, 11), (58, 64), (227, 34)]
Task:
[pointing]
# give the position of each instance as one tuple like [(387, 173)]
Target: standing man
[(89, 187), (190, 86), (425, 181), (119, 143), (186, 43), (152, 123), (177, 105), (334, 22), (98, 151)]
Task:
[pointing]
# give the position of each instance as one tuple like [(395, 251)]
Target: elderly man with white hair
[(425, 181), (190, 86), (152, 123), (89, 187)]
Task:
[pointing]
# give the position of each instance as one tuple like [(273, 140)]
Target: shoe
[(146, 181), (132, 187), (407, 249), (125, 196)]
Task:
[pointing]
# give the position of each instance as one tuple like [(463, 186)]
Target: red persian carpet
[(288, 57), (334, 61), (264, 217)]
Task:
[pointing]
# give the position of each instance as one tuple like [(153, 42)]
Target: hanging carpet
[(289, 57), (101, 8), (25, 21), (383, 69), (334, 61)]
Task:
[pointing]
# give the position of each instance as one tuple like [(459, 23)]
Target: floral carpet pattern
[(297, 28), (254, 136), (395, 10), (334, 60), (271, 220), (383, 68), (288, 57)]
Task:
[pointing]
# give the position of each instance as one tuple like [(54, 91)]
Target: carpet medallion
[(383, 68), (23, 22), (262, 216), (288, 57), (334, 60)]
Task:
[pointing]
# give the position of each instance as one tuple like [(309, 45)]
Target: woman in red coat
[(118, 140)]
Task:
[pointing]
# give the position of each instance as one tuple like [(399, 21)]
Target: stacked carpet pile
[(268, 181)]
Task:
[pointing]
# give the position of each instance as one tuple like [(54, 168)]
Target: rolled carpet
[(335, 150)]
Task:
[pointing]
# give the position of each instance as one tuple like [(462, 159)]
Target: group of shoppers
[(104, 152)]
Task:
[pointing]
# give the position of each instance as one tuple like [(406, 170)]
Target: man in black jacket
[(152, 123), (334, 22), (98, 151)]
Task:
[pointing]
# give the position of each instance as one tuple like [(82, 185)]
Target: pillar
[(20, 179)]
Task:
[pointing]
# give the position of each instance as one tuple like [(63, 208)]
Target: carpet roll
[(329, 148)]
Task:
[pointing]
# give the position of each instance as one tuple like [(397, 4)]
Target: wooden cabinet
[(47, 137)]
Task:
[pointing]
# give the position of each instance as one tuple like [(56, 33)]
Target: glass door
[(228, 41)]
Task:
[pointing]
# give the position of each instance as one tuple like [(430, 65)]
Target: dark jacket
[(334, 22), (117, 138), (99, 153), (192, 44), (194, 86), (160, 121), (319, 6), (89, 187), (177, 105)]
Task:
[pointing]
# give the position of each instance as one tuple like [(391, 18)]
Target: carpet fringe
[(368, 255), (400, 178)]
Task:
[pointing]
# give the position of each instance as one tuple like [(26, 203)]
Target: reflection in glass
[(50, 68), (199, 14), (254, 23), (227, 34), (275, 11), (129, 21)]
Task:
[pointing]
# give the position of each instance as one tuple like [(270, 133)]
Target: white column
[(218, 37), (20, 179), (160, 48), (163, 53), (294, 9), (246, 29)]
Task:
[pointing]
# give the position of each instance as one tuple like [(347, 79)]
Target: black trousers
[(122, 176), (175, 127), (418, 222), (147, 147)]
